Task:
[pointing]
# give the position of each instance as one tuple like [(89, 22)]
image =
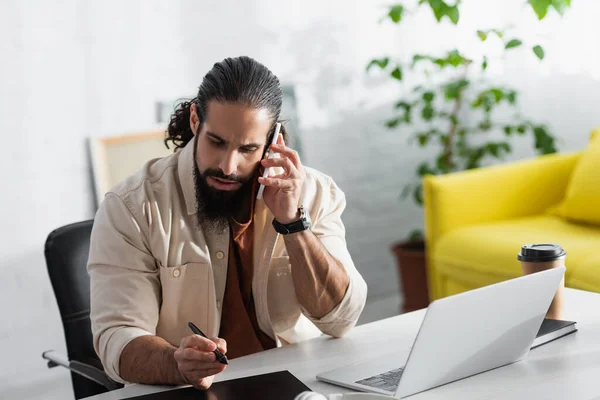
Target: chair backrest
[(66, 251)]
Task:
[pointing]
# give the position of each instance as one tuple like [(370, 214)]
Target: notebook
[(552, 329), (281, 385)]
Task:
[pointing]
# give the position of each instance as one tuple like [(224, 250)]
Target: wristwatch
[(297, 226)]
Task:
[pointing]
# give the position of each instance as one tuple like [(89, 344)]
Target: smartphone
[(261, 189)]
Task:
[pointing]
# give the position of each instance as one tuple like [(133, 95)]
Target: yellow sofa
[(477, 220)]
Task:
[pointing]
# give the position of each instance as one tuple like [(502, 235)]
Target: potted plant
[(454, 113)]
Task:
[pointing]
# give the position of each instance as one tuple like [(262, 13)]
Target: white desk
[(568, 368)]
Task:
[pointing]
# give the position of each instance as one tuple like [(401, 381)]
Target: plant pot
[(412, 272)]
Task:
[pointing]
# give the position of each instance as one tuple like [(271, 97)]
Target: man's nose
[(228, 163)]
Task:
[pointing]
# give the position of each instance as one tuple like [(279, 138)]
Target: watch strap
[(296, 226)]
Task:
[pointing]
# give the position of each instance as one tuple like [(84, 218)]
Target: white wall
[(79, 68)]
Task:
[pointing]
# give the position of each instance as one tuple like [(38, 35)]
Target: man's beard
[(214, 206)]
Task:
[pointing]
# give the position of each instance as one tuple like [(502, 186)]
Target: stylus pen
[(220, 356)]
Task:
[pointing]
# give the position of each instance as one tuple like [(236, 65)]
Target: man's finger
[(286, 151), (280, 140), (284, 163), (214, 371), (183, 354), (284, 184), (199, 342), (201, 356), (221, 344), (279, 176), (199, 368)]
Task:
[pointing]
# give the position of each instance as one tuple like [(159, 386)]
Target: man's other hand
[(196, 361)]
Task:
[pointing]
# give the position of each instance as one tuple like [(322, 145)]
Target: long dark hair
[(240, 80)]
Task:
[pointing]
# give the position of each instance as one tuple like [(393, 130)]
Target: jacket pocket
[(187, 295), (284, 309)]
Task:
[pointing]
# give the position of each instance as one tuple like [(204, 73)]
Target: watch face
[(304, 216)]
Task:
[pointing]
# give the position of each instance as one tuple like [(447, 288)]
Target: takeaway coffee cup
[(540, 257)]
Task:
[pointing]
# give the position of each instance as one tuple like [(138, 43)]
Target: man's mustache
[(218, 173)]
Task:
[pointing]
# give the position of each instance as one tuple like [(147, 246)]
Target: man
[(186, 240)]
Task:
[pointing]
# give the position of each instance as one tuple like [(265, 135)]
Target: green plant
[(454, 109)]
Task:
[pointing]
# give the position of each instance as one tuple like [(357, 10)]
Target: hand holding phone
[(261, 189)]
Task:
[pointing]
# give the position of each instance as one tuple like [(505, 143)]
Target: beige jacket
[(152, 270)]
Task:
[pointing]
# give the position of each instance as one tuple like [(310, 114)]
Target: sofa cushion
[(587, 275), (582, 198), (486, 253)]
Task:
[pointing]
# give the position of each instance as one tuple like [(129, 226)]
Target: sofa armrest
[(495, 193)]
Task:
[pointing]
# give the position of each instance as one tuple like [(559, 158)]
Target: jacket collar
[(185, 170)]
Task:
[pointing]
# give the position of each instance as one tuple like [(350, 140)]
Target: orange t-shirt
[(239, 326)]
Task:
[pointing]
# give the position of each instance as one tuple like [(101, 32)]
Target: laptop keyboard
[(388, 381)]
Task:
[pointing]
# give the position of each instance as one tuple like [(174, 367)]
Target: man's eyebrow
[(215, 136), (251, 145), (220, 139)]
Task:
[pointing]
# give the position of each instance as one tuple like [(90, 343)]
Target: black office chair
[(66, 252)]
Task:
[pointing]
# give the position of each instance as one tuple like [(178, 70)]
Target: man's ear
[(194, 120)]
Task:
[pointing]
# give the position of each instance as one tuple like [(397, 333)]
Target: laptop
[(460, 336)]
